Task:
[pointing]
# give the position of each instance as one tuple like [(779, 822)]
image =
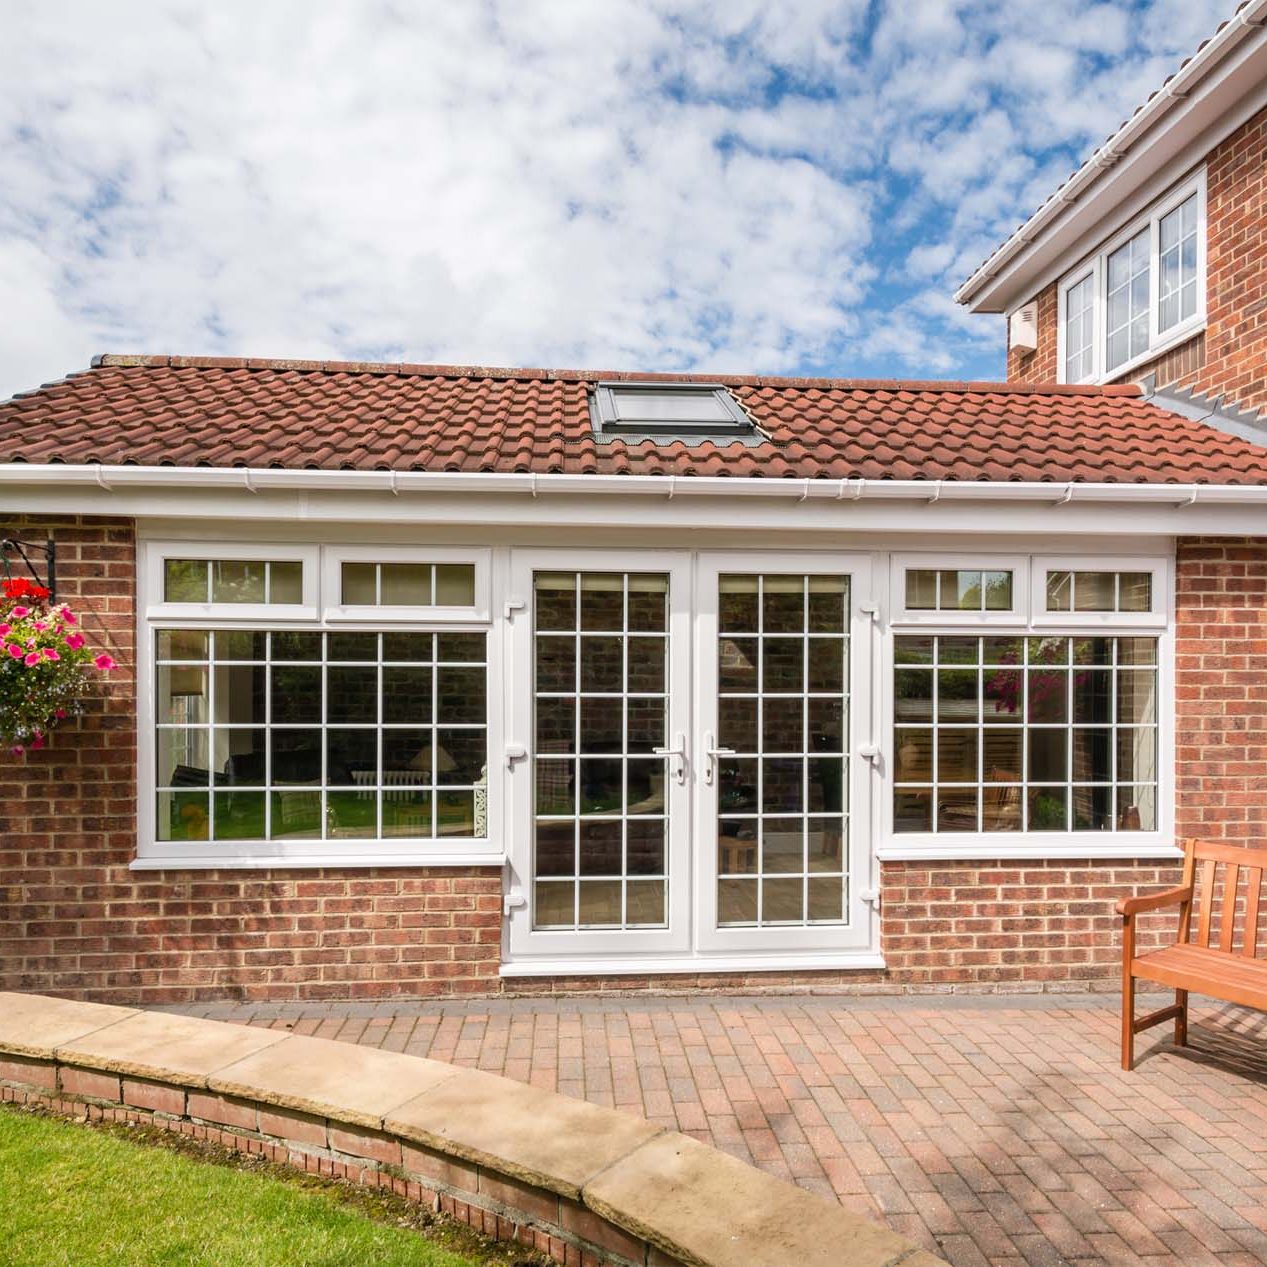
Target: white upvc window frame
[(335, 610), (1109, 622), (316, 615), (1095, 265), (152, 578), (1031, 619), (900, 564)]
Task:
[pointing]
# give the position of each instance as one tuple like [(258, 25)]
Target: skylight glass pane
[(669, 406)]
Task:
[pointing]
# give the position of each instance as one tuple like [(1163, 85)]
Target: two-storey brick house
[(451, 680)]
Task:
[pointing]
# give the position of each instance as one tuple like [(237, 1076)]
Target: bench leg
[(1181, 1021), (1128, 1019)]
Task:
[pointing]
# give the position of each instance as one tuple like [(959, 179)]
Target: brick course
[(1221, 689), (75, 920)]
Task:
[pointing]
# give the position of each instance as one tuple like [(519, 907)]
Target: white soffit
[(1204, 100)]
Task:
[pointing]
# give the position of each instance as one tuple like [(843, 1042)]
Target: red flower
[(20, 587)]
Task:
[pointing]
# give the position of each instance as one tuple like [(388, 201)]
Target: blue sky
[(791, 187)]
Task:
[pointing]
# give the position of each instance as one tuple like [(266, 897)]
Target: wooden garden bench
[(1194, 963)]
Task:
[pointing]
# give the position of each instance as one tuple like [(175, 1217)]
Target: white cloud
[(732, 184)]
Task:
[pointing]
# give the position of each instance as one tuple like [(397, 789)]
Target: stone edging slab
[(560, 1173)]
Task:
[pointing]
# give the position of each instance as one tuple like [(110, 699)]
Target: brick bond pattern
[(992, 1131), (75, 920), (1231, 361)]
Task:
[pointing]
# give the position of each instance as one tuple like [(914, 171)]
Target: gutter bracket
[(246, 479), (395, 490), (936, 497), (101, 479), (804, 492), (1068, 497), (1190, 500)]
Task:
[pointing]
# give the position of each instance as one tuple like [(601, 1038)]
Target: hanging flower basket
[(46, 664)]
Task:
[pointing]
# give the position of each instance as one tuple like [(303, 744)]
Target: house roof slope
[(220, 412), (1202, 93)]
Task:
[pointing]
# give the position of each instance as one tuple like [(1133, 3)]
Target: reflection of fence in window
[(1015, 734)]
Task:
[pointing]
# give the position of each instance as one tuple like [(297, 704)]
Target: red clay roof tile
[(219, 411)]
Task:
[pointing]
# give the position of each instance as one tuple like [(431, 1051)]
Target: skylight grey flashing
[(1244, 424), (692, 413)]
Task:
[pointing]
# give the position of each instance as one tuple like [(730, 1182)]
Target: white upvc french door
[(598, 752), (784, 758), (687, 747)]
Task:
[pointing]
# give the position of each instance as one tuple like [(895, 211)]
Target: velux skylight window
[(666, 410)]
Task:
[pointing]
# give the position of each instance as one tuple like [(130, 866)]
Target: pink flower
[(41, 625), (50, 654), (104, 663), (5, 627), (69, 616), (31, 657), (14, 650), (60, 714), (17, 750), (75, 641), (38, 742), (18, 612)]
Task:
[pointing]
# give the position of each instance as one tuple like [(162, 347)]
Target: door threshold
[(650, 965)]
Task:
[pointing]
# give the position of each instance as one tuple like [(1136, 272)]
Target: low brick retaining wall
[(586, 1185)]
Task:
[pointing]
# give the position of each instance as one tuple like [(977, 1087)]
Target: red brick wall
[(1020, 924), (75, 920), (1221, 689), (1038, 366), (1236, 294), (1231, 358)]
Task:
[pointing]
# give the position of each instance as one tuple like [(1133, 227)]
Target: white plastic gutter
[(1239, 28), (258, 481)]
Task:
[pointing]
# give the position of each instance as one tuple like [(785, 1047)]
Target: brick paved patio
[(994, 1130)]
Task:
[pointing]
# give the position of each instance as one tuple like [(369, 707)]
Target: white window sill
[(1172, 340), (988, 847), (649, 965), (296, 862)]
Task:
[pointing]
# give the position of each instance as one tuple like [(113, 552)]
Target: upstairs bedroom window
[(1143, 293)]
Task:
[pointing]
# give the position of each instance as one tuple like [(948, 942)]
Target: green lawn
[(71, 1196)]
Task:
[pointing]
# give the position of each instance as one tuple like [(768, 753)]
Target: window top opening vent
[(689, 412)]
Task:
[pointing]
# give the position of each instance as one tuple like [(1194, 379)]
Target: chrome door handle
[(711, 753), (676, 756)]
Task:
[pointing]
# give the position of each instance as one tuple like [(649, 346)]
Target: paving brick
[(1015, 1139)]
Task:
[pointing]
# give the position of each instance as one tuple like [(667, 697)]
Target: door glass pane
[(600, 650), (782, 811)]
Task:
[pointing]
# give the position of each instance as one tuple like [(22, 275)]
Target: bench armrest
[(1131, 906)]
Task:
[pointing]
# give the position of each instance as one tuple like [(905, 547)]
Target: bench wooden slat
[(1249, 946), (1191, 962), (1227, 921), (1242, 855), (1208, 870)]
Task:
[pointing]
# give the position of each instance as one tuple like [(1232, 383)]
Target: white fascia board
[(1205, 99), (564, 501)]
